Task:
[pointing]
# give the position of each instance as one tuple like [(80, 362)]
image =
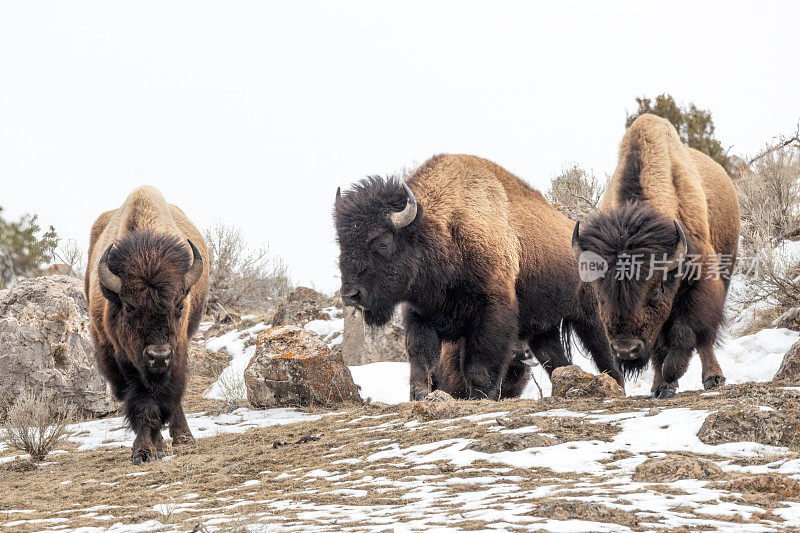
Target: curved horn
[(576, 247), (108, 279), (403, 218), (196, 270), (338, 197), (682, 249)]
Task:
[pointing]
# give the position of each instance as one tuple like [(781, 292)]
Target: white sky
[(253, 113)]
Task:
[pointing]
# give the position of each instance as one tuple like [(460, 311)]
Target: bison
[(146, 286), (481, 259), (668, 229)]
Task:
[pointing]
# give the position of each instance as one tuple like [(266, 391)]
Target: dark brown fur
[(150, 254), (486, 262)]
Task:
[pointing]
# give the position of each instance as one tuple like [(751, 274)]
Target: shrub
[(240, 277), (23, 251), (36, 423), (575, 192)]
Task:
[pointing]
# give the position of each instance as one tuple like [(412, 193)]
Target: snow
[(750, 358), (230, 384)]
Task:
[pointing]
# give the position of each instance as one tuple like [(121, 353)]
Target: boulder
[(45, 344), (293, 367), (750, 423), (573, 382), (363, 344), (301, 307), (674, 467), (495, 442), (789, 370)]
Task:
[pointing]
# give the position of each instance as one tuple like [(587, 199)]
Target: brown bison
[(146, 285), (481, 259), (668, 229)]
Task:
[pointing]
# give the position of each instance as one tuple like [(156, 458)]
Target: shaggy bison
[(481, 259), (668, 228), (146, 286)]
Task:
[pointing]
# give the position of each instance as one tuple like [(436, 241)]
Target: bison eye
[(384, 245), (655, 295)]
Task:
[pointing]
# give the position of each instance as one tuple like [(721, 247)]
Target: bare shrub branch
[(240, 277), (575, 192), (36, 423)]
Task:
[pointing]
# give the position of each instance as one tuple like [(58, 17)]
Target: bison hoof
[(182, 440), (712, 382), (142, 456), (664, 392)]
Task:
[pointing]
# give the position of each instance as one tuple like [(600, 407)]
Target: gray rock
[(363, 344), (573, 382), (45, 344), (789, 370)]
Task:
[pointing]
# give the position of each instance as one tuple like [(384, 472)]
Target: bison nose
[(158, 355), (352, 295), (627, 348)]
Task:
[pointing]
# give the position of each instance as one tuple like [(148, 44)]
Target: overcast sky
[(253, 113)]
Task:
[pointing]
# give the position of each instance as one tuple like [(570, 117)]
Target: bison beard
[(481, 260)]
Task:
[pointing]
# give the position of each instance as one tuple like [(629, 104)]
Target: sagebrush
[(36, 423), (241, 277)]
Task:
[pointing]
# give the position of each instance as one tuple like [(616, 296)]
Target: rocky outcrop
[(301, 307), (293, 367), (363, 344), (789, 370), (45, 344), (573, 382)]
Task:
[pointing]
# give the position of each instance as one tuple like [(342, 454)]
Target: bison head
[(643, 250), (146, 277), (377, 225)]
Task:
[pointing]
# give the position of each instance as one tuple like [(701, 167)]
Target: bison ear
[(196, 270)]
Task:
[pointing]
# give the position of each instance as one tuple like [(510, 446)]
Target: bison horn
[(403, 218), (576, 247), (682, 249), (196, 270), (338, 197), (108, 279)]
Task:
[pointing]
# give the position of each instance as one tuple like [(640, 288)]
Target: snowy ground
[(377, 468)]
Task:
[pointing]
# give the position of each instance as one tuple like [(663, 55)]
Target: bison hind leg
[(548, 349)]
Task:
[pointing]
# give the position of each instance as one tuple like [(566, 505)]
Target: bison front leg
[(712, 373), (671, 356), (489, 350), (179, 430), (145, 417), (424, 347)]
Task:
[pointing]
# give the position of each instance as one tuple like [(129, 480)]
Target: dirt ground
[(368, 468)]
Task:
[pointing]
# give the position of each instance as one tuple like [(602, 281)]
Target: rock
[(790, 366), (510, 442), (674, 467), (363, 344), (293, 367), (748, 423), (573, 382), (438, 405), (45, 345), (778, 484), (301, 307)]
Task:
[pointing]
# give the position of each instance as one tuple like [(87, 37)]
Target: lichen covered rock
[(751, 423), (674, 467), (293, 367)]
